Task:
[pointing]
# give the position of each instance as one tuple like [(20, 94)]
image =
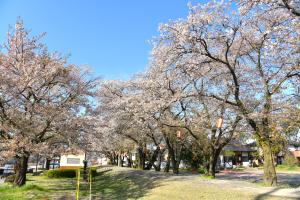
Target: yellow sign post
[(90, 180), (78, 184)]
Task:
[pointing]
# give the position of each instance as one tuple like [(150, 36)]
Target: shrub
[(201, 170), (290, 160), (109, 162), (30, 187), (37, 173), (94, 171), (67, 173), (61, 173), (9, 178)]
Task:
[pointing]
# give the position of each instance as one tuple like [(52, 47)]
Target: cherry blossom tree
[(242, 57), (118, 114), (180, 104), (292, 6), (41, 98)]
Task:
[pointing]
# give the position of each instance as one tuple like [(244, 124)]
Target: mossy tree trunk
[(262, 132), (270, 177), (21, 169), (213, 159)]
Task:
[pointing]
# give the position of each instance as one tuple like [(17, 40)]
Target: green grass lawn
[(285, 168), (39, 188), (122, 183)]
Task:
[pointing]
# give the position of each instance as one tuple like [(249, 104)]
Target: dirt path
[(289, 183), (285, 179)]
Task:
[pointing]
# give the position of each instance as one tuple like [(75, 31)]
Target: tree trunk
[(174, 161), (48, 160), (157, 167), (116, 160), (176, 167), (21, 169), (111, 158), (37, 162), (129, 161), (212, 166), (153, 159), (206, 166), (119, 161), (270, 177), (213, 159), (141, 158), (167, 168)]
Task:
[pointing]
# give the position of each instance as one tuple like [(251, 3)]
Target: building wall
[(228, 162), (71, 161), (103, 161)]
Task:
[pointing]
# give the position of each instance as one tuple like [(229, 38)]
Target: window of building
[(73, 161), (245, 159)]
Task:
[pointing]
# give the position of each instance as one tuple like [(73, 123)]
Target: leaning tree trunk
[(21, 169), (270, 177)]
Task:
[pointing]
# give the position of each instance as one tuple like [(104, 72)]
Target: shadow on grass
[(33, 187), (265, 195), (240, 176), (127, 184), (284, 179), (271, 194), (52, 188)]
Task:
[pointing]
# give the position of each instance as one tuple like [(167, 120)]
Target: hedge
[(61, 173), (66, 173)]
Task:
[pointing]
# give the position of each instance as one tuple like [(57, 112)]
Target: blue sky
[(110, 36)]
